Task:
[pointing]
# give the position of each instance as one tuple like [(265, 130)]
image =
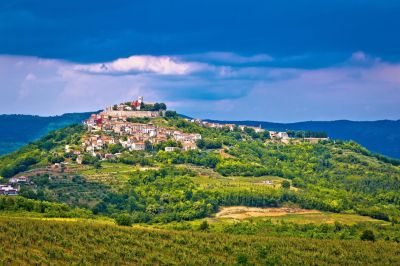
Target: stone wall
[(132, 113)]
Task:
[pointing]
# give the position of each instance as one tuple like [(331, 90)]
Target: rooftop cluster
[(121, 126), (282, 136)]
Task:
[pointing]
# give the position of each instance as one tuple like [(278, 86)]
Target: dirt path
[(243, 212)]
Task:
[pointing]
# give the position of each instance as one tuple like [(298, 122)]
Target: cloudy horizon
[(247, 65)]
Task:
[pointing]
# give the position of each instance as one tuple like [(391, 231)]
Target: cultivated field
[(243, 212), (48, 242)]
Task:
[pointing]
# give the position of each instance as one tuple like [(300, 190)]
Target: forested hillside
[(164, 186), (378, 136), (18, 130)]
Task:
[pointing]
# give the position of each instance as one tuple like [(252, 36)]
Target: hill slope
[(329, 176), (378, 136), (28, 241), (18, 130), (336, 183)]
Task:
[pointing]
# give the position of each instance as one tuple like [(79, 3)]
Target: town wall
[(132, 113)]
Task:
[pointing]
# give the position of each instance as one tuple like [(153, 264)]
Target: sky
[(280, 61)]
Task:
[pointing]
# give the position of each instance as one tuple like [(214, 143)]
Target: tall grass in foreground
[(37, 242)]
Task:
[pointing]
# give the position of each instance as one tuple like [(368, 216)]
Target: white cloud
[(163, 65)]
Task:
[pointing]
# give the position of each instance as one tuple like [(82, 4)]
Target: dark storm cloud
[(90, 31)]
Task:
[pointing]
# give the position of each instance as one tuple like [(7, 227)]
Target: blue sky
[(261, 60)]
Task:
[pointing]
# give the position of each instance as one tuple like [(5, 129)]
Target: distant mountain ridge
[(382, 136), (18, 130)]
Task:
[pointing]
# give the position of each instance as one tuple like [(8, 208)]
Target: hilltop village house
[(274, 135), (8, 190), (232, 127), (12, 188), (132, 109), (113, 127)]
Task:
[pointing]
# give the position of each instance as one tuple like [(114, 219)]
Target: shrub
[(242, 259), (123, 219), (204, 226), (171, 114), (97, 165), (368, 235), (286, 184)]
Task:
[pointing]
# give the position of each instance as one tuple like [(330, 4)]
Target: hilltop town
[(119, 125), (138, 126), (129, 124)]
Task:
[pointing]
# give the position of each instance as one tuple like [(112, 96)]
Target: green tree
[(368, 235), (97, 165), (286, 184), (171, 114), (115, 148), (148, 146), (123, 219), (204, 226)]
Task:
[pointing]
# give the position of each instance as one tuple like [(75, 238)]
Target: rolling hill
[(378, 136), (381, 136), (18, 130), (240, 198)]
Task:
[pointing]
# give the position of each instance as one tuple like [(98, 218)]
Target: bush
[(242, 259), (209, 143), (204, 226), (171, 114), (368, 235), (123, 219), (97, 165), (286, 184)]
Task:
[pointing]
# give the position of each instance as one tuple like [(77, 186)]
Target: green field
[(318, 225), (65, 242)]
